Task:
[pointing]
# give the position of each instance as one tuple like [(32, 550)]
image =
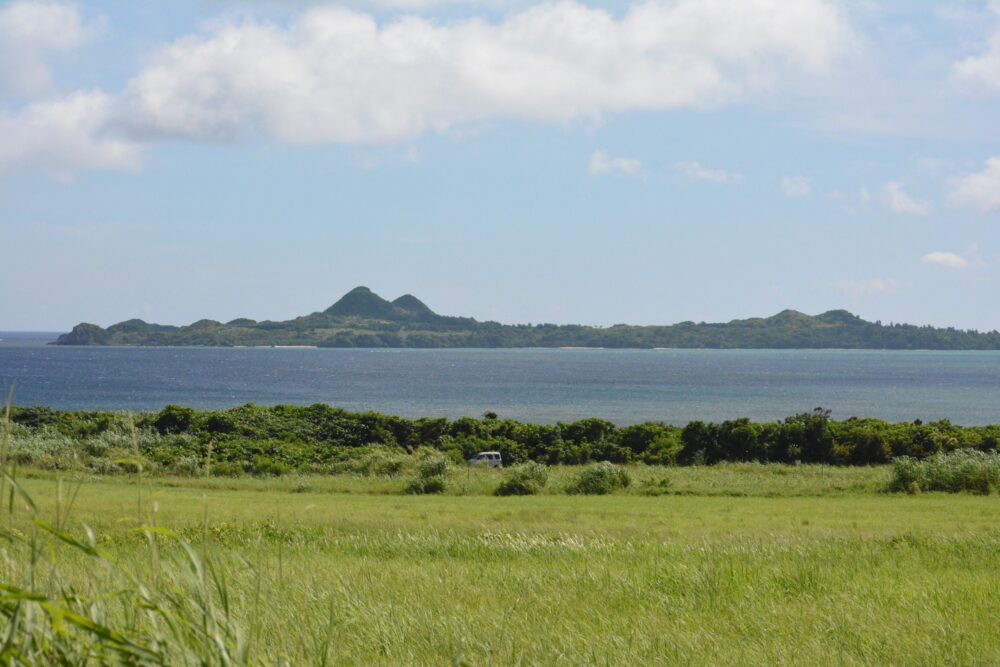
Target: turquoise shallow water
[(535, 385)]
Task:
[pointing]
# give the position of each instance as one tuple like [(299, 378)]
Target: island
[(364, 319)]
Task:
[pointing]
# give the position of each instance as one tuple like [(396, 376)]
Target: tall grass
[(176, 610), (144, 570), (551, 579), (960, 470)]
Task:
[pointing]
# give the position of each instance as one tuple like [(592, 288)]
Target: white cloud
[(948, 260), (795, 186), (863, 288), (898, 201), (980, 190), (65, 136), (602, 163), (418, 6), (696, 172), (29, 33), (982, 71), (336, 75)]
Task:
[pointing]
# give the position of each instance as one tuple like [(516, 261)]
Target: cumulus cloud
[(30, 32), (980, 190), (863, 288), (947, 260), (795, 186), (982, 71), (336, 75), (64, 136), (601, 163), (697, 172), (898, 201)]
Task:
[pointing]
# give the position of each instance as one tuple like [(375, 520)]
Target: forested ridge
[(363, 319)]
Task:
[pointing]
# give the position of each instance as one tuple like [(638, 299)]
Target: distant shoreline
[(362, 319), (566, 348)]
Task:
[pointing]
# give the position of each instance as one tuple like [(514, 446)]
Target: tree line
[(304, 436)]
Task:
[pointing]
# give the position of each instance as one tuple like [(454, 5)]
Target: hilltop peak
[(412, 305), (839, 317), (362, 302), (789, 315)]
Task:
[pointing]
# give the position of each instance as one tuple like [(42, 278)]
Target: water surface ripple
[(537, 385)]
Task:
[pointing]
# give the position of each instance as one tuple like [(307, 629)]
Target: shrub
[(380, 461), (425, 486), (105, 466), (599, 479), (526, 479), (664, 450), (226, 469), (961, 470), (35, 417), (186, 466), (432, 466), (219, 422), (24, 457), (263, 465), (174, 419), (453, 449), (655, 487), (97, 446), (131, 466), (431, 471)]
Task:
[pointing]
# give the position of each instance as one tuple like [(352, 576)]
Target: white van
[(491, 459)]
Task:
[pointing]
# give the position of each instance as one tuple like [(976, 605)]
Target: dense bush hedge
[(430, 476), (960, 470), (525, 479), (598, 479), (268, 440)]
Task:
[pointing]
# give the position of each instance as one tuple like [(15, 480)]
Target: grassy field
[(738, 564), (724, 479)]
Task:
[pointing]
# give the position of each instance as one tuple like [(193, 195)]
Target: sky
[(571, 162)]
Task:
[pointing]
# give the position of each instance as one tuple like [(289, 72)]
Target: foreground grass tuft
[(65, 600)]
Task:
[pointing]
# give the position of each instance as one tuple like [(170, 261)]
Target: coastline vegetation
[(272, 440)]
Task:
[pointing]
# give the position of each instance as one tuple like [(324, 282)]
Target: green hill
[(362, 302), (362, 318), (414, 307)]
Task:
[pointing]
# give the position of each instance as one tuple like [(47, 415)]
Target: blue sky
[(560, 162)]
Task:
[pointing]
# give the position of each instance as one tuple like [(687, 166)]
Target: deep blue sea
[(537, 385)]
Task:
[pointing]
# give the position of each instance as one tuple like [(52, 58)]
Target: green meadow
[(719, 565)]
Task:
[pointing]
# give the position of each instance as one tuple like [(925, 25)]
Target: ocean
[(535, 385)]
